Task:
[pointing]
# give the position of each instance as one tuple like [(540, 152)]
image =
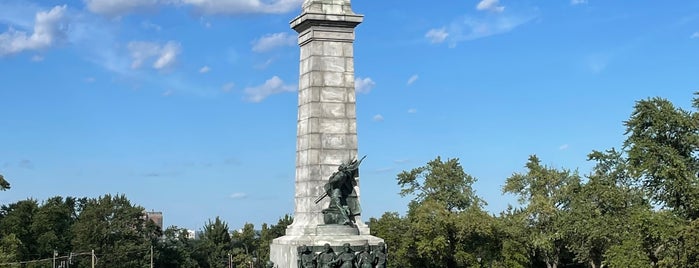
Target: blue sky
[(189, 106)]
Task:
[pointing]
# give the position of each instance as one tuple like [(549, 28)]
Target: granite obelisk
[(326, 127)]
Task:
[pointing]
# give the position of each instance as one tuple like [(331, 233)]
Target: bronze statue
[(326, 258), (365, 259), (379, 256), (306, 258), (344, 205), (346, 258)]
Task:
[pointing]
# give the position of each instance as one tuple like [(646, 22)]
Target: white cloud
[(37, 58), (204, 69), (490, 5), (151, 26), (412, 79), (363, 85), (119, 7), (563, 147), (89, 80), (437, 35), (578, 2), (272, 41), (167, 93), (228, 87), (412, 110), (695, 35), (480, 26), (232, 7), (238, 195), (163, 56), (377, 118), (274, 85), (49, 28)]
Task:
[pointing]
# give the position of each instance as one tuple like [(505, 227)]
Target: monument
[(327, 192)]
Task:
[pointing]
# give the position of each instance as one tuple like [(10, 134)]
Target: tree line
[(34, 234), (637, 207)]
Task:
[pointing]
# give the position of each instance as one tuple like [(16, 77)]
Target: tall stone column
[(327, 126)]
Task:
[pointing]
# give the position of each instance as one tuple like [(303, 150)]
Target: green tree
[(9, 248), (4, 185), (662, 142), (52, 225), (17, 219), (544, 191), (215, 244), (116, 229), (600, 210), (392, 228), (269, 233), (174, 249), (512, 236), (440, 220), (245, 245)]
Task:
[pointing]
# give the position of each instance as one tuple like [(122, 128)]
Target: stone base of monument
[(284, 251)]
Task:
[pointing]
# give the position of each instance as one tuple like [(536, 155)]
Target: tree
[(17, 219), (599, 210), (544, 191), (116, 229), (269, 233), (445, 224), (52, 224), (175, 249), (392, 228), (215, 244), (662, 142), (4, 185)]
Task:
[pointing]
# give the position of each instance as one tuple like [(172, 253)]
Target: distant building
[(156, 217), (191, 234)]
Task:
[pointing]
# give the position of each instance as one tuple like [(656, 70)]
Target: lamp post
[(480, 264)]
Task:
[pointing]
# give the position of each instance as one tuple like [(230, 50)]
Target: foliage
[(545, 191), (4, 185), (662, 145), (116, 230)]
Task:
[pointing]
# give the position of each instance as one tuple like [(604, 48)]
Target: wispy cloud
[(578, 2), (412, 110), (204, 69), (26, 163), (412, 79), (161, 55), (363, 85), (437, 36), (228, 87), (272, 86), (151, 26), (563, 147), (490, 5), (49, 29), (238, 195), (384, 170), (272, 41), (377, 118), (481, 25), (695, 35)]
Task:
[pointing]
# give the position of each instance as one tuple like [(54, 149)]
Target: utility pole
[(151, 256), (55, 254), (230, 260), (93, 258)]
